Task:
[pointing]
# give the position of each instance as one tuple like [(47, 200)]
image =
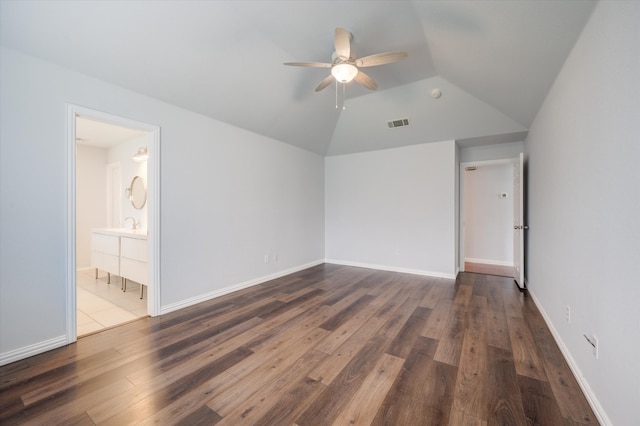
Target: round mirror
[(138, 192)]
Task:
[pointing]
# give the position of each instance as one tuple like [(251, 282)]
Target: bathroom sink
[(142, 233)]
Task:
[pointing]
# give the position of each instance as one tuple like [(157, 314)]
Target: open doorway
[(113, 221), (104, 163), (486, 197)]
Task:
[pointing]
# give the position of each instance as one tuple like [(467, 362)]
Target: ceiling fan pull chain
[(343, 98), (336, 94)]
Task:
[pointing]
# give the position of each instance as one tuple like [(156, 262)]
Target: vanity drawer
[(105, 243), (111, 263), (134, 248), (134, 270), (106, 262)]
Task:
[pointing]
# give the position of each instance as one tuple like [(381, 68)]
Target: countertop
[(123, 232)]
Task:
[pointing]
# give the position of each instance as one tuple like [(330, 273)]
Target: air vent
[(398, 123)]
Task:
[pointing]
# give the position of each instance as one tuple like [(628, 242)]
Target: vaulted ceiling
[(493, 61)]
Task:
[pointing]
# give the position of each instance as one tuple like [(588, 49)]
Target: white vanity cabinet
[(105, 253), (121, 252), (134, 259)]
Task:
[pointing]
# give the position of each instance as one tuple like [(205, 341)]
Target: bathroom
[(110, 205)]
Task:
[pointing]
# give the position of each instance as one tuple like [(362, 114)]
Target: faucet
[(134, 224)]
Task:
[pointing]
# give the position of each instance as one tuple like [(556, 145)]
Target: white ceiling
[(494, 62), (103, 135)]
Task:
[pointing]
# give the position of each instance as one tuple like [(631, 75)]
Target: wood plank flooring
[(330, 345)]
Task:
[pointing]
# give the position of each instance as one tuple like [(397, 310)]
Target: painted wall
[(491, 152), (488, 219), (227, 197), (91, 201), (393, 209), (584, 208), (123, 155)]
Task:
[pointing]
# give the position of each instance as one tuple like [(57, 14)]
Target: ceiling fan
[(345, 68)]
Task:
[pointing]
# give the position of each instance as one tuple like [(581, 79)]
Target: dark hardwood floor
[(327, 345)]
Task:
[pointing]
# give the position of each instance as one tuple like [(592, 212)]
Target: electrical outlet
[(266, 258), (567, 313), (275, 257)]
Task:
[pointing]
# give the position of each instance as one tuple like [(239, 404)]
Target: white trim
[(582, 381), (153, 203), (153, 218), (488, 261), (31, 350), (71, 334), (230, 289), (487, 162), (391, 269)]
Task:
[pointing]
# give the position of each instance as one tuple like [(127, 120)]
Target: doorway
[(486, 199), (101, 147)]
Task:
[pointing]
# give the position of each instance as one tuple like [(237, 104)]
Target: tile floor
[(102, 305)]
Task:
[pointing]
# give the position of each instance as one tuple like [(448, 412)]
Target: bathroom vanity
[(122, 252)]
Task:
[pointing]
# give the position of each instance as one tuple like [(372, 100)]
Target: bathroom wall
[(122, 154), (91, 198)]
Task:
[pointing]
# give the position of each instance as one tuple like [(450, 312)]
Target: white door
[(518, 221)]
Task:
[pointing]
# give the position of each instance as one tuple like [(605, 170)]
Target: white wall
[(393, 209), (123, 155), (488, 219), (584, 208), (491, 152), (91, 202), (226, 197)]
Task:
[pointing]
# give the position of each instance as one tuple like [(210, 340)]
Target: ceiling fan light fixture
[(344, 73)]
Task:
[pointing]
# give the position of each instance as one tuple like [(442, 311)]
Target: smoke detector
[(436, 93)]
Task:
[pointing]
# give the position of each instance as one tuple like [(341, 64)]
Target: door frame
[(153, 203), (461, 224)]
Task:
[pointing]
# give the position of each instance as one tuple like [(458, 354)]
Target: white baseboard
[(230, 289), (31, 350), (391, 269), (488, 261), (584, 385)]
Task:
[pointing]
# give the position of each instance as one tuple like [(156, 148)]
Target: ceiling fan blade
[(324, 83), (380, 59), (366, 81), (309, 64), (341, 39)]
